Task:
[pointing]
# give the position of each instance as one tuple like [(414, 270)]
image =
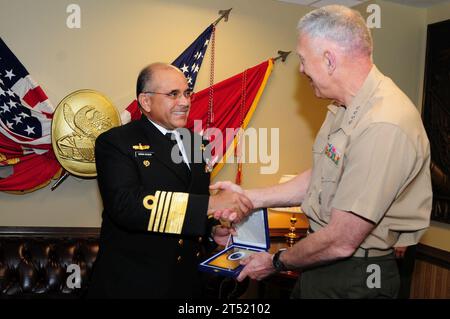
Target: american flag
[(27, 161), (189, 62), (25, 111)]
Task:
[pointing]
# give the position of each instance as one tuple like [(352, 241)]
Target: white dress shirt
[(164, 131)]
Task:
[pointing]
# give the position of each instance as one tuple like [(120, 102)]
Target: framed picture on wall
[(436, 115)]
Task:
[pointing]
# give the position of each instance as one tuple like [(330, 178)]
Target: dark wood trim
[(20, 231), (433, 255), (427, 57)]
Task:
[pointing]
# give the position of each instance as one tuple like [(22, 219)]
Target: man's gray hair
[(339, 24)]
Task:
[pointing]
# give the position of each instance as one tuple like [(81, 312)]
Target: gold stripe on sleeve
[(151, 207), (177, 213), (162, 225), (159, 209)]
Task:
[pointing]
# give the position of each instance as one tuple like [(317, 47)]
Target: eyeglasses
[(174, 95)]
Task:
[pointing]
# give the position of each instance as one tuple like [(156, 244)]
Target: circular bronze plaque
[(78, 120)]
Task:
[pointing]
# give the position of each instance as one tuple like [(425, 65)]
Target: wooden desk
[(279, 224)]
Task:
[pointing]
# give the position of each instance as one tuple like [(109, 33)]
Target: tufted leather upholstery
[(34, 261)]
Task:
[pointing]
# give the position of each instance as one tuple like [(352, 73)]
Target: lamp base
[(292, 237)]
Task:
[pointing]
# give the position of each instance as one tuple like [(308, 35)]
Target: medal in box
[(252, 237)]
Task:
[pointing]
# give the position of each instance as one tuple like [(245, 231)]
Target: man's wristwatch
[(277, 263)]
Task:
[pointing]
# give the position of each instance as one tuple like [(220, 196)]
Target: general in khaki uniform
[(371, 158), (154, 218)]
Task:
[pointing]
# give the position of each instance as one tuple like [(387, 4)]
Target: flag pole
[(223, 14), (60, 180), (282, 55)]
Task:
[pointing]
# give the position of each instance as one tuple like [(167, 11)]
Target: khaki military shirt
[(372, 158)]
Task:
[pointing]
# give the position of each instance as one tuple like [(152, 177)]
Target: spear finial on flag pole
[(223, 14), (189, 62), (282, 55)]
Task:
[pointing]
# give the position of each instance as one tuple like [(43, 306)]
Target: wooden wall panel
[(430, 281)]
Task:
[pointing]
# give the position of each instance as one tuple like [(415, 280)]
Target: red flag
[(234, 101), (31, 171)]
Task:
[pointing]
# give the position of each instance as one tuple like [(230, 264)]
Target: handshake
[(229, 203)]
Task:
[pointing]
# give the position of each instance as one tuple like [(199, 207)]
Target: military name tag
[(143, 154)]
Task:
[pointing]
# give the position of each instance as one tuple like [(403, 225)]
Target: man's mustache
[(181, 108)]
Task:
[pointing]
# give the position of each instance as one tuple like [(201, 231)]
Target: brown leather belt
[(369, 252), (372, 252)]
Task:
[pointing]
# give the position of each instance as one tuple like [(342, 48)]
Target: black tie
[(171, 137), (173, 140)]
